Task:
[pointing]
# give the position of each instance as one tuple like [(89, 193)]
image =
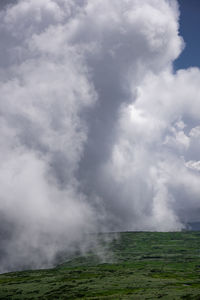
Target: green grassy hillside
[(142, 265)]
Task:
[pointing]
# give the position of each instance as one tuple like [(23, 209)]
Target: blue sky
[(189, 30)]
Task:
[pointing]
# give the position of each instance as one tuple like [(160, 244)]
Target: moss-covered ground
[(142, 265)]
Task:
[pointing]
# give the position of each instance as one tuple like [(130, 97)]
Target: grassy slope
[(144, 266)]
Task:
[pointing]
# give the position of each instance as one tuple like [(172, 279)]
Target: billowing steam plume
[(97, 131)]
